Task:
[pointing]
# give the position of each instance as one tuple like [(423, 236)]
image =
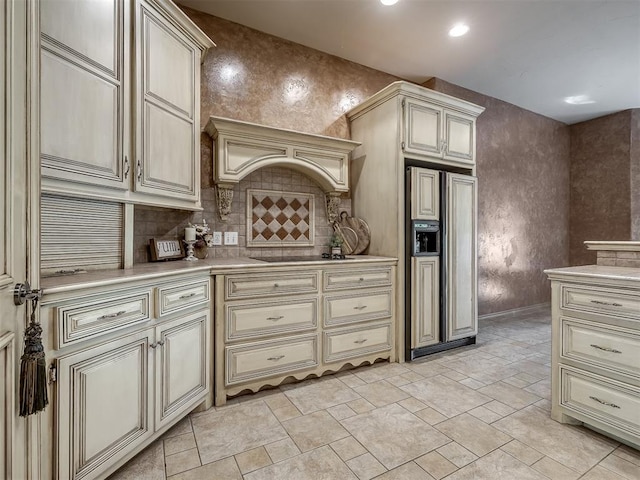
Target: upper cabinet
[(120, 101), (439, 131)]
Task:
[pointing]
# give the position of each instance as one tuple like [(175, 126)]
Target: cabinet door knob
[(189, 295), (361, 307), (139, 168), (127, 167), (360, 342), (276, 358), (275, 319)]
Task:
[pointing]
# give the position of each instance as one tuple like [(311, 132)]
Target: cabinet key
[(275, 319), (609, 304), (275, 359), (183, 297), (613, 405), (606, 349), (112, 315)]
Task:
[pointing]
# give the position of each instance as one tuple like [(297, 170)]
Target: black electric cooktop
[(307, 258)]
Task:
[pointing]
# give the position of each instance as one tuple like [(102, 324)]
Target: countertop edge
[(595, 271), (210, 267)]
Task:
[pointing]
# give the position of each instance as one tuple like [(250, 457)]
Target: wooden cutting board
[(361, 233)]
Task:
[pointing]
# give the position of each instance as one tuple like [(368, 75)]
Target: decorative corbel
[(333, 205), (224, 197)]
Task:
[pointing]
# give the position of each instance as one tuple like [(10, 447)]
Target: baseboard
[(513, 311)]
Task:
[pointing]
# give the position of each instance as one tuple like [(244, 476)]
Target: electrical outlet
[(217, 238), (230, 238)]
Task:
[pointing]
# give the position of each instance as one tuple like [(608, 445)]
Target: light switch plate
[(230, 238), (217, 238)]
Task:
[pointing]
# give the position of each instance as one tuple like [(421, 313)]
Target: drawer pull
[(613, 405), (360, 342), (606, 349), (275, 359), (361, 279), (112, 315), (609, 304), (188, 295), (275, 319), (362, 307)]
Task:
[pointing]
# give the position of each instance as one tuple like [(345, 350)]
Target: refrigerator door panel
[(425, 301), (425, 194), (461, 256)]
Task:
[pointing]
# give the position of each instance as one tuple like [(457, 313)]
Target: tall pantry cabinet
[(406, 125)]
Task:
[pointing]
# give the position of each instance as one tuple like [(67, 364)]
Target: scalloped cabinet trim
[(242, 148)]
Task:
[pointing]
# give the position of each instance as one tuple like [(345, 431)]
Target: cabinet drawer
[(357, 307), (251, 320), (269, 285), (614, 403), (354, 278), (172, 298), (78, 322), (614, 348), (355, 342), (265, 359), (603, 301)]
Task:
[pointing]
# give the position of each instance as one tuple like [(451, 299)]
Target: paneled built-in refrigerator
[(441, 261)]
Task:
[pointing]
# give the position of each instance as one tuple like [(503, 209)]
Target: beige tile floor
[(475, 413)]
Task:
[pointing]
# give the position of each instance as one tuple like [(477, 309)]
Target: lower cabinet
[(106, 396), (595, 359), (296, 322)]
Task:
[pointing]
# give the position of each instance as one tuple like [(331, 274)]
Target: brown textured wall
[(635, 174), (600, 183), (523, 201), (260, 78)]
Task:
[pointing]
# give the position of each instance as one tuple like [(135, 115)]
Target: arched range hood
[(243, 147)]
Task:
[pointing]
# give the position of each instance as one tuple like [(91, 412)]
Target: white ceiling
[(532, 53)]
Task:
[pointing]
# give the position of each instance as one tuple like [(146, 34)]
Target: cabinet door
[(462, 320), (459, 134), (425, 301), (425, 194), (422, 128), (183, 356), (167, 116), (102, 406), (82, 99)]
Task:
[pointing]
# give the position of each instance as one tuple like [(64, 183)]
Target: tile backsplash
[(152, 222)]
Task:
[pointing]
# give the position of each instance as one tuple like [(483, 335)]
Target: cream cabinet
[(120, 95), (127, 369), (595, 376), (425, 308), (433, 130), (425, 194), (462, 269), (296, 321)]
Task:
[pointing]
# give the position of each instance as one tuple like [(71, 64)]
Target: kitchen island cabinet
[(595, 376)]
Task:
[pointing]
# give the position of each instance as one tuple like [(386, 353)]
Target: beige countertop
[(596, 271), (212, 266)]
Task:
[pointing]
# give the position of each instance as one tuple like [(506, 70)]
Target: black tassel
[(33, 370)]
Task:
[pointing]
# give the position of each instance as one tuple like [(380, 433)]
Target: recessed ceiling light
[(579, 100), (458, 30), (388, 2)]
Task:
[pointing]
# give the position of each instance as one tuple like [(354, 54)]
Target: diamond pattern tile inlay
[(279, 218)]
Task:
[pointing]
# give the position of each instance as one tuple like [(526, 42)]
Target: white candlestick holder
[(190, 257)]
